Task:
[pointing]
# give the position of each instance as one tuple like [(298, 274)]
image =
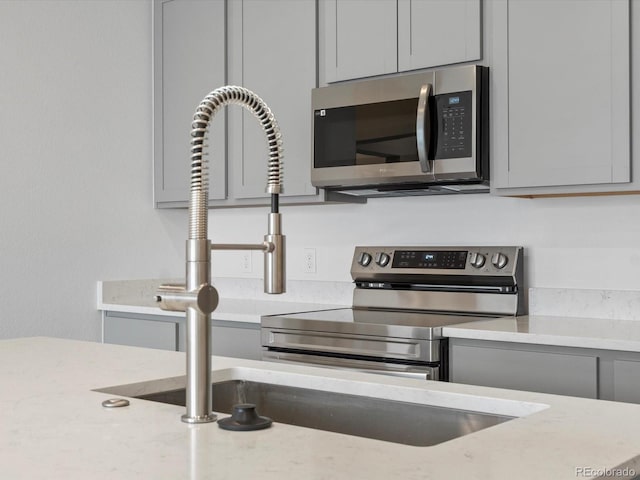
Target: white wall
[(75, 163), (576, 242), (75, 187)]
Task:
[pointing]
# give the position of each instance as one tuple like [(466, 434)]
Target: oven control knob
[(499, 260), (364, 259), (477, 260), (382, 259)]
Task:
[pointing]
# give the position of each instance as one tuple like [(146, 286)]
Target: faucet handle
[(175, 298)]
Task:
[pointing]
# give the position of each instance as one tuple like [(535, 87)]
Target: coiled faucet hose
[(205, 112)]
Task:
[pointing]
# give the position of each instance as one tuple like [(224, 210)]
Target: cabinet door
[(138, 331), (561, 91), (626, 381), (481, 363), (359, 38), (189, 62), (236, 341), (437, 32), (229, 339), (278, 63)]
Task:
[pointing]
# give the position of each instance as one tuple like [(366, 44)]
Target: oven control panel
[(477, 260), (450, 259)]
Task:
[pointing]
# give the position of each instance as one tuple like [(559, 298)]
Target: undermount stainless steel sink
[(369, 417)]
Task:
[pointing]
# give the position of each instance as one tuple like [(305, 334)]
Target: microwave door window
[(334, 142), (366, 134), (386, 132), (386, 150)]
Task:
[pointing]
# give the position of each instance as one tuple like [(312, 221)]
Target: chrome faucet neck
[(198, 298), (209, 106)]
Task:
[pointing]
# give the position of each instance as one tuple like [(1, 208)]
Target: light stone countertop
[(600, 333), (229, 309), (136, 296), (623, 334), (52, 425)]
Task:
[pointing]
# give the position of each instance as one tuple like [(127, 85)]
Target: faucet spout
[(198, 298), (205, 112)]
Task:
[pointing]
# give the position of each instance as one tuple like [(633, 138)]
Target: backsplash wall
[(590, 242)]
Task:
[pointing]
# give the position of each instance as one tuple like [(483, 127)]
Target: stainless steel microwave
[(414, 134)]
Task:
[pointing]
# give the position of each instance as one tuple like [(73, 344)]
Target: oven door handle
[(417, 375), (423, 132), (343, 364)]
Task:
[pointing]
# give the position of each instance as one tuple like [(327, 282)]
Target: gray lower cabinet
[(580, 372), (495, 364), (228, 339), (140, 330), (626, 380)]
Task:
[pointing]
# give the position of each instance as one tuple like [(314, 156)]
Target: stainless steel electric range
[(402, 298)]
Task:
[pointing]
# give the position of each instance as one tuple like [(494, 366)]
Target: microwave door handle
[(423, 132)]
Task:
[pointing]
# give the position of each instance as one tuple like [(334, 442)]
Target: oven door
[(422, 372), (408, 357), (341, 344)]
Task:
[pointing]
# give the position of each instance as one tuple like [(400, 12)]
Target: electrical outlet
[(309, 260), (246, 262)]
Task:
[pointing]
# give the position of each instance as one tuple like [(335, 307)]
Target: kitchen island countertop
[(52, 425)]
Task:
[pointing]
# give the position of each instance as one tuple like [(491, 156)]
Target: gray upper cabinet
[(189, 62), (267, 46), (272, 51), (362, 39), (560, 97), (437, 32)]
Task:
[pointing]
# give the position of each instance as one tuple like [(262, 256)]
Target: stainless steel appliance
[(424, 133), (402, 298)]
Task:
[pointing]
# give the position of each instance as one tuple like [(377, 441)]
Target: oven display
[(453, 259)]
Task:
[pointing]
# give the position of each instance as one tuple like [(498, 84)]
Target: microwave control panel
[(454, 114)]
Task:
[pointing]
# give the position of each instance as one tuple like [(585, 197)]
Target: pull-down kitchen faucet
[(198, 297)]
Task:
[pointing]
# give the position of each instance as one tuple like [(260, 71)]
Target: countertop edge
[(230, 309), (595, 333)]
